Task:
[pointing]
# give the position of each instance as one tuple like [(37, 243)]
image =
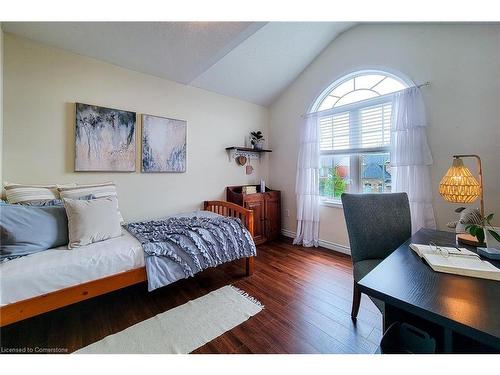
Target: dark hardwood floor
[(306, 292)]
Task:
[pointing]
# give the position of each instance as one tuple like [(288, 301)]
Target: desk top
[(467, 305)]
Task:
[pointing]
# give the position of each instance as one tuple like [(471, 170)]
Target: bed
[(59, 277)]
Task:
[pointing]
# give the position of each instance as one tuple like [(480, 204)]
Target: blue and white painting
[(163, 144), (105, 139)]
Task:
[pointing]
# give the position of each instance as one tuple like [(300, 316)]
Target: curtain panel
[(307, 184), (411, 157)]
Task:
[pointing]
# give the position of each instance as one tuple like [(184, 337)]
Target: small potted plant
[(257, 140), (484, 230)]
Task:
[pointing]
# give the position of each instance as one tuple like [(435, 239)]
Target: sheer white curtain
[(411, 157), (307, 184)]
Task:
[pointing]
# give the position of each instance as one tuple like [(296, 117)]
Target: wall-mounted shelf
[(249, 153)]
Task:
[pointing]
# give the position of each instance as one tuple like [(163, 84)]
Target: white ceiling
[(253, 61)]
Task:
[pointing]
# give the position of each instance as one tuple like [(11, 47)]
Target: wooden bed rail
[(27, 308), (232, 210)]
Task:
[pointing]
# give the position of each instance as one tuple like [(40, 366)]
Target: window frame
[(354, 110), (354, 154), (326, 91)]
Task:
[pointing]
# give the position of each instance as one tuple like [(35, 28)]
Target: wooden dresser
[(266, 208)]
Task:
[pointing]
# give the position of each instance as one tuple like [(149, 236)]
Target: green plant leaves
[(257, 135), (332, 186), (471, 228), (494, 234), (476, 231), (489, 218), (480, 234)]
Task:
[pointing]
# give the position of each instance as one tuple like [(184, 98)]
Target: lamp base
[(468, 239)]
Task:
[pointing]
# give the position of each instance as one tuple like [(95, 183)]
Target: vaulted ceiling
[(252, 61)]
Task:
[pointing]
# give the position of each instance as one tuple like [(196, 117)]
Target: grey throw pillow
[(25, 229), (92, 221)]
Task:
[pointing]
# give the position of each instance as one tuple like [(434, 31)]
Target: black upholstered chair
[(377, 225)]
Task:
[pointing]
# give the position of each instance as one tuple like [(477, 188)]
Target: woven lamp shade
[(459, 185)]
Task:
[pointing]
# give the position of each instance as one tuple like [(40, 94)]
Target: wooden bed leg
[(249, 265)]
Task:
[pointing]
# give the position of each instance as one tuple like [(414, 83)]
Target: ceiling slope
[(261, 67), (178, 51), (252, 61)]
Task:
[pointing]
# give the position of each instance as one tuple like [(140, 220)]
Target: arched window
[(355, 119)]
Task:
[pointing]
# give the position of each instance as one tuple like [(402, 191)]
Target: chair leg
[(356, 300)]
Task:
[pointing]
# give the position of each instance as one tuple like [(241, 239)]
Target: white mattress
[(54, 269)]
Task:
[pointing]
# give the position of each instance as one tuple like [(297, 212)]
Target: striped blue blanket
[(181, 246)]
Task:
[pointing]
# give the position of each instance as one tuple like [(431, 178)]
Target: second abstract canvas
[(163, 144)]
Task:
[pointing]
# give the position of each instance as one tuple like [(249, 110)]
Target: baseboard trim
[(288, 233), (326, 244)]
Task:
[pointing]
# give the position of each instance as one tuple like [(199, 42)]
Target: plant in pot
[(484, 230), (257, 140)]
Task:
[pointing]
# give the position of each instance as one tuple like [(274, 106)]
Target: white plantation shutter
[(375, 126), (334, 132), (359, 129)]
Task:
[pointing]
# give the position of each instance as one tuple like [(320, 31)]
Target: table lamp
[(459, 186)]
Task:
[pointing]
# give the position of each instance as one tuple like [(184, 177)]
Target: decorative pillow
[(55, 202), (470, 215), (107, 189), (92, 221), (20, 193), (25, 229)]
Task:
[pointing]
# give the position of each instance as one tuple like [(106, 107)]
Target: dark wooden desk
[(462, 313)]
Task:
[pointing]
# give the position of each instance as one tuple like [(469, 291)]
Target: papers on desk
[(459, 261)]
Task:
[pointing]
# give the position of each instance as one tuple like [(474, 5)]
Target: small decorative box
[(250, 189), (489, 252)]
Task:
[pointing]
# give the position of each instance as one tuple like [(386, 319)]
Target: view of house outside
[(335, 179)]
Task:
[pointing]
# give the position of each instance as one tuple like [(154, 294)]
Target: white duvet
[(59, 268)]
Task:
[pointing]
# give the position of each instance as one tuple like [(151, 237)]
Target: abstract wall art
[(163, 144), (105, 139)]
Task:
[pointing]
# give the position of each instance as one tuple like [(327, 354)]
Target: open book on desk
[(458, 261)]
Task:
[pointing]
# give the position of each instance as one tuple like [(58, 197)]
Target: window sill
[(331, 203)]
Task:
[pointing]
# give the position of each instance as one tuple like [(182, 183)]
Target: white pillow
[(106, 189), (92, 220), (22, 193)]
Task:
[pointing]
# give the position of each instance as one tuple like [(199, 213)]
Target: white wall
[(462, 62), (1, 100), (41, 85)]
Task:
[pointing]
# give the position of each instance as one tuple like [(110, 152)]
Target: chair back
[(377, 224)]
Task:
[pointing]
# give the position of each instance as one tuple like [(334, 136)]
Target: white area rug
[(184, 328)]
